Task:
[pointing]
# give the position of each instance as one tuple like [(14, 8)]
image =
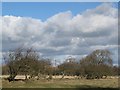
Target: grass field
[(64, 83)]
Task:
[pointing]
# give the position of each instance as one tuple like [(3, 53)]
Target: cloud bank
[(63, 33)]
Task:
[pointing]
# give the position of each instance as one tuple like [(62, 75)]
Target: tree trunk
[(62, 77), (12, 77), (25, 76)]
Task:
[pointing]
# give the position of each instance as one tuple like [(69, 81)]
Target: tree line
[(26, 61)]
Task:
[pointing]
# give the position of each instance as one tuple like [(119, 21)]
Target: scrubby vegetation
[(20, 61)]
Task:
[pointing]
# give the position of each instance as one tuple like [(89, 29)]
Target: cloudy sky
[(58, 30)]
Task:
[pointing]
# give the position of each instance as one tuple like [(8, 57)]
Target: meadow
[(64, 83)]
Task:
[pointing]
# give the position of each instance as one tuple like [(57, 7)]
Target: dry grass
[(64, 83)]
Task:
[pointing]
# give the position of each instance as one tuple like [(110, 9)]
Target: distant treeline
[(27, 62)]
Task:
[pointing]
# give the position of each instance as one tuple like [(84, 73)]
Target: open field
[(64, 83)]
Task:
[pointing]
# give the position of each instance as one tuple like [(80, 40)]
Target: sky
[(59, 30), (44, 10)]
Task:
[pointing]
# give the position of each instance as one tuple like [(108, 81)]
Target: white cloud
[(64, 33)]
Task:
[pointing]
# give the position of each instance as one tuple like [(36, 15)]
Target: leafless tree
[(21, 60)]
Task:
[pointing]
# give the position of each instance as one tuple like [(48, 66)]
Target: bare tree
[(12, 60), (69, 67), (21, 60), (96, 64)]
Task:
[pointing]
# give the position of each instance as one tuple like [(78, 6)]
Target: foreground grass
[(65, 83)]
